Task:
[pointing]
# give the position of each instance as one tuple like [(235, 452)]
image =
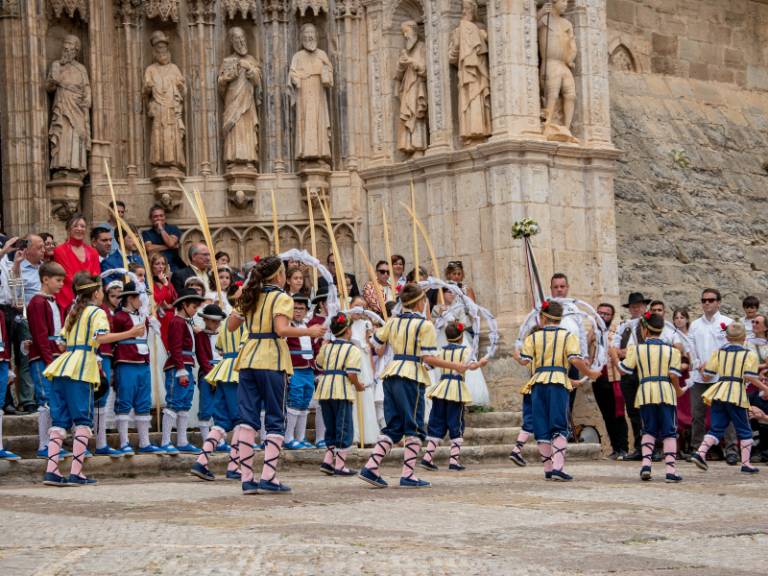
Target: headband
[(84, 287), (275, 273), (652, 329), (550, 316), (414, 300)]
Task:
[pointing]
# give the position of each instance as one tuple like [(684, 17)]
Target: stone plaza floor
[(487, 520)]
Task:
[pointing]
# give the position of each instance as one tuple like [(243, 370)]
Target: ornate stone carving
[(621, 59), (239, 79), (311, 73), (275, 10), (557, 48), (347, 8), (202, 11), (163, 9), (128, 11), (468, 50), (9, 8), (245, 8), (315, 7), (164, 91), (68, 7), (411, 88)]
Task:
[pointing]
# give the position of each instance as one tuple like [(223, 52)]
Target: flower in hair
[(341, 319), (239, 283), (257, 259), (647, 315), (545, 305), (398, 288), (460, 327), (723, 325)]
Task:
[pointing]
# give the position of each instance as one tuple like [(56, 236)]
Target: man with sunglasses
[(370, 293), (706, 335)]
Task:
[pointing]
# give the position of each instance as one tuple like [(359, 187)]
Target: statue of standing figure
[(411, 88), (165, 90), (70, 129), (468, 50), (311, 73), (239, 78), (557, 48)]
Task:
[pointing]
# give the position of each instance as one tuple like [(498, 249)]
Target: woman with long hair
[(75, 255), (164, 294)]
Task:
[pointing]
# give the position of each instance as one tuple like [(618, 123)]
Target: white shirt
[(138, 318), (706, 336), (748, 327)]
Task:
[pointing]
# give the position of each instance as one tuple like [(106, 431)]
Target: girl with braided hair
[(264, 364), (74, 375)]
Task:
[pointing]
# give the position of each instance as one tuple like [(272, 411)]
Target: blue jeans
[(205, 404), (300, 388), (339, 429), (403, 408), (71, 403), (550, 411), (134, 389), (528, 413), (226, 413), (262, 389), (724, 413), (446, 416), (3, 382), (42, 384), (659, 420), (177, 397)]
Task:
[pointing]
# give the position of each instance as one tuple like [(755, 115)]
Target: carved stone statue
[(557, 48), (468, 50), (411, 87), (239, 78), (70, 129), (165, 89), (310, 74)]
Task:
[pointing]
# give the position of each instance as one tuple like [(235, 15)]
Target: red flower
[(257, 258), (460, 327), (723, 325), (398, 288), (341, 319), (239, 283), (647, 315), (545, 305)]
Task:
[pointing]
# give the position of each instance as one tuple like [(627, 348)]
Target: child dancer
[(658, 369), (449, 396), (362, 330), (732, 365), (179, 379), (5, 359), (340, 362), (264, 363), (414, 342), (302, 383), (550, 351), (134, 378), (44, 317), (74, 374), (207, 357), (319, 316), (226, 414), (106, 353)]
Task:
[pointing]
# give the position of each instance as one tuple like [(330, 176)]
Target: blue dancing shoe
[(107, 451), (750, 470), (414, 483), (292, 445), (258, 447), (561, 476), (202, 472), (267, 487), (250, 487), (673, 478), (152, 449), (645, 473), (75, 480), (321, 444), (189, 449), (224, 447), (326, 469), (127, 451), (372, 478), (234, 475), (52, 479), (8, 455), (304, 445), (63, 454), (42, 454), (88, 454), (169, 450)]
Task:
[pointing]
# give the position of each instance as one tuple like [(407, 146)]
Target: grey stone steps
[(155, 466)]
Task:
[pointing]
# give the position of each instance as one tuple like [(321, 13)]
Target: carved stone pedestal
[(315, 176), (168, 192), (241, 185), (557, 133), (64, 190)]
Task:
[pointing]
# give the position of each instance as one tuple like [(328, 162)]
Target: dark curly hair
[(265, 268)]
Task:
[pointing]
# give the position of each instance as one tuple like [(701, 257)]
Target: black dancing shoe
[(326, 469), (697, 459), (427, 465), (518, 459), (645, 473)]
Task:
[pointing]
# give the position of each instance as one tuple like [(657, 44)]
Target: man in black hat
[(630, 333)]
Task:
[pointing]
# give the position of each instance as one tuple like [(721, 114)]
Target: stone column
[(349, 84), (202, 139), (128, 19), (592, 119), (515, 103), (276, 110), (104, 130), (377, 82)]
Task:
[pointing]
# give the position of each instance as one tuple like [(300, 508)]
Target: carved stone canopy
[(245, 8), (202, 11), (316, 7), (163, 9), (9, 8), (69, 7)]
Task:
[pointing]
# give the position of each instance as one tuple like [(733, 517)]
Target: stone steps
[(158, 466)]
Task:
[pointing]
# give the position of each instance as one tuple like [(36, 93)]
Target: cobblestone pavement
[(488, 520)]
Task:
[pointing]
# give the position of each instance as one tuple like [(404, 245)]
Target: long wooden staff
[(312, 235), (428, 242), (388, 249), (209, 242), (417, 273), (121, 239), (375, 282), (275, 229)]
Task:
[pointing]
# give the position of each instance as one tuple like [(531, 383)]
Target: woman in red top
[(75, 256), (165, 293)]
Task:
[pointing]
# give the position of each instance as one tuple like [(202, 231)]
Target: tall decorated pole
[(523, 230)]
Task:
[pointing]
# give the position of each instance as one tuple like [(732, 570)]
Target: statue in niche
[(70, 129), (165, 89), (311, 73), (468, 51), (411, 88), (239, 78), (557, 48)]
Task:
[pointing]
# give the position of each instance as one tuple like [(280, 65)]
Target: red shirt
[(204, 352), (181, 350), (64, 255), (108, 349), (316, 342), (42, 328), (128, 353), (297, 360)]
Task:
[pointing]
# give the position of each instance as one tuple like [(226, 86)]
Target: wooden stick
[(119, 226), (209, 242), (341, 283), (428, 242), (275, 230), (375, 282), (388, 248), (417, 274), (312, 235)]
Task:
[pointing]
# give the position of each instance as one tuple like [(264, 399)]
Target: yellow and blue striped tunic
[(655, 361), (264, 349), (550, 351), (228, 343), (80, 362), (451, 385), (733, 363), (337, 359), (411, 337)]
